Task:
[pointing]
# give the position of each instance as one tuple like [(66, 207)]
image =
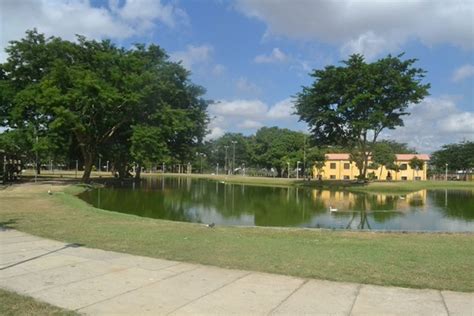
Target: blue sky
[(252, 56)]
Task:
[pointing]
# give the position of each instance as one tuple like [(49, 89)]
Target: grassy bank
[(12, 304), (439, 261)]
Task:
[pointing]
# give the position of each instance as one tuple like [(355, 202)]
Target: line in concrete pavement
[(355, 298), (208, 293), (140, 287), (289, 295)]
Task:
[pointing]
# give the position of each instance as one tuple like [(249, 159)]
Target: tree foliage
[(352, 104), (110, 100), (458, 156)]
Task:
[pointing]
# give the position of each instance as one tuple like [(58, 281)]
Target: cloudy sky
[(252, 56)]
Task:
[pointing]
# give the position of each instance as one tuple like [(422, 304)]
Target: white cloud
[(282, 110), (276, 56), (193, 55), (463, 72), (250, 124), (432, 123), (239, 108), (215, 132), (218, 70), (145, 12), (245, 87), (66, 18), (369, 44), (250, 115), (368, 26)]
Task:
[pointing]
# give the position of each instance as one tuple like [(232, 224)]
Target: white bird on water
[(332, 209)]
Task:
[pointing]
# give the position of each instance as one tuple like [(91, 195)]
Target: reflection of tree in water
[(380, 208), (454, 204)]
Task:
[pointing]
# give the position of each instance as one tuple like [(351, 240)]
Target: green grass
[(18, 305), (438, 261)]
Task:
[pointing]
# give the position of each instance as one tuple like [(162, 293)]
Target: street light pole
[(233, 156), (446, 173), (226, 166)]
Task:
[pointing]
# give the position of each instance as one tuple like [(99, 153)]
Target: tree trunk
[(88, 155), (38, 168), (88, 162), (138, 171)]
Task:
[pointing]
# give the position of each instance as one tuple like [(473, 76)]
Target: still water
[(208, 201)]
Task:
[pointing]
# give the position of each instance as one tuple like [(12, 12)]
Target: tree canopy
[(352, 104), (106, 100), (458, 156)]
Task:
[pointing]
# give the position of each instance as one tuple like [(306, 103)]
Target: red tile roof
[(407, 157), (400, 157)]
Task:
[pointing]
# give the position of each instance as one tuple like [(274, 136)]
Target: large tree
[(352, 104), (103, 95), (276, 147), (456, 156)]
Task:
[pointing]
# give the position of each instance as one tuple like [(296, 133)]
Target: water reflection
[(205, 201)]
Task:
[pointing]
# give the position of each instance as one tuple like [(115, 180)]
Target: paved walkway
[(93, 281)]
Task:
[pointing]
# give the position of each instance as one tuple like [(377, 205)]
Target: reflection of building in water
[(348, 201), (339, 167)]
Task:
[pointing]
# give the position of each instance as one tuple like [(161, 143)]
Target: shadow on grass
[(9, 224)]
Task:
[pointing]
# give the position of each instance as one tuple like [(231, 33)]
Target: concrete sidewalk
[(93, 281)]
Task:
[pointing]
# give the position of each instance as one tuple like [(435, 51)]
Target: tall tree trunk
[(38, 167), (88, 162), (138, 171)]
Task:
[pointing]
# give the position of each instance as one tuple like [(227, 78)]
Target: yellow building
[(339, 167)]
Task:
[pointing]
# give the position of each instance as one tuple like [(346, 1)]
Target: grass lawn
[(438, 261), (18, 305)]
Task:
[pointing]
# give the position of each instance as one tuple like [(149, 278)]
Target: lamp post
[(163, 167), (217, 169), (201, 155), (297, 169), (233, 156), (288, 169), (446, 173), (225, 163)]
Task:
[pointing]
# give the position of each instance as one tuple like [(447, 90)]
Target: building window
[(347, 166), (347, 178), (403, 166), (332, 177), (332, 165), (404, 178)]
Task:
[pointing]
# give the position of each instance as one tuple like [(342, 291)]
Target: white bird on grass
[(332, 209)]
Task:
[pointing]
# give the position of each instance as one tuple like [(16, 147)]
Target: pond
[(208, 201)]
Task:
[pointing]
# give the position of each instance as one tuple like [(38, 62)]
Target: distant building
[(339, 167)]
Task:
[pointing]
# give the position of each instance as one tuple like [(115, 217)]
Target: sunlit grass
[(12, 304)]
